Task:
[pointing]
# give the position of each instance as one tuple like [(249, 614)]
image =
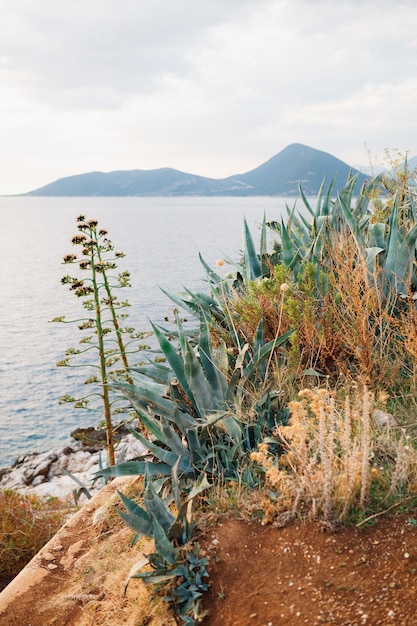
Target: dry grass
[(335, 459), (26, 524), (99, 576)]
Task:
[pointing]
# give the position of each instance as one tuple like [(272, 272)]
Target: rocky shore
[(59, 472)]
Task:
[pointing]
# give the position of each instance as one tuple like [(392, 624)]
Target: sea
[(162, 239)]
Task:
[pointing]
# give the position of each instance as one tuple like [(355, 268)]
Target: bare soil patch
[(259, 575), (306, 574)]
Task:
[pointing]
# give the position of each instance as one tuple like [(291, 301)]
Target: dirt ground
[(305, 574), (259, 575)]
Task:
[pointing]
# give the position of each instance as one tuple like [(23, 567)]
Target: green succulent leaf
[(252, 265)]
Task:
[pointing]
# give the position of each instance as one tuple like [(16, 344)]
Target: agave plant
[(190, 409), (192, 405), (178, 572), (389, 245)]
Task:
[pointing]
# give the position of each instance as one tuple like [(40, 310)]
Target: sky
[(210, 87)]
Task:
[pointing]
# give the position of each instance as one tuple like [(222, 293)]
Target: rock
[(384, 419), (60, 472)]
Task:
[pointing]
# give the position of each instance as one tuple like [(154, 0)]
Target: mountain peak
[(281, 175)]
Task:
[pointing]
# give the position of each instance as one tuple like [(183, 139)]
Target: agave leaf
[(133, 507), (157, 508), (377, 235), (162, 544), (233, 385), (251, 262), (393, 237), (144, 394), (136, 518), (134, 468), (174, 360), (158, 372), (289, 254), (181, 301), (265, 352), (173, 441), (259, 339), (152, 424), (133, 572), (400, 254), (263, 248), (325, 201), (175, 485), (214, 375), (241, 356), (305, 201), (151, 578), (371, 255), (211, 274), (168, 457), (351, 221), (232, 427), (204, 400), (201, 485)]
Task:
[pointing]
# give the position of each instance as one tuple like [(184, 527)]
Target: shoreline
[(60, 472)]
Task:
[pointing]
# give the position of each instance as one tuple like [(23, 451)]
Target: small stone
[(52, 566), (384, 419), (48, 556)]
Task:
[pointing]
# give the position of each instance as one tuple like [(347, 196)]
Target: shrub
[(26, 524)]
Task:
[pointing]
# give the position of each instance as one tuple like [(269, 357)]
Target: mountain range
[(281, 175)]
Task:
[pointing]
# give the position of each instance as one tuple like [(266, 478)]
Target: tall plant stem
[(103, 369)]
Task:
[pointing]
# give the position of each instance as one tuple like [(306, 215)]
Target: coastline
[(61, 471)]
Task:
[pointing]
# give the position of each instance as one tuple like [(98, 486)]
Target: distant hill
[(280, 176)]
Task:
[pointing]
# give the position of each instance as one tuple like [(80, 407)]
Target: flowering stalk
[(99, 258)]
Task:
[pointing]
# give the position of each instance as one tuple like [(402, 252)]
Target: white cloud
[(210, 87)]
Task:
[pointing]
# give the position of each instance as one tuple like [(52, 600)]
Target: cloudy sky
[(211, 87)]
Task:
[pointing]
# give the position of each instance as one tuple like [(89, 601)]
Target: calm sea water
[(161, 237)]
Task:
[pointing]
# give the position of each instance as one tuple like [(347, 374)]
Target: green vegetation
[(270, 399), (275, 387)]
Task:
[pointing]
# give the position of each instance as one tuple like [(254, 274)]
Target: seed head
[(79, 239), (69, 258), (219, 262)]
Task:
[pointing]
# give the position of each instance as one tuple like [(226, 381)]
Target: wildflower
[(219, 262), (284, 287)]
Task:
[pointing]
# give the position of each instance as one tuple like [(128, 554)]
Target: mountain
[(280, 176), (297, 164)]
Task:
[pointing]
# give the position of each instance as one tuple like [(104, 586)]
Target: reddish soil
[(259, 575), (305, 574)]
